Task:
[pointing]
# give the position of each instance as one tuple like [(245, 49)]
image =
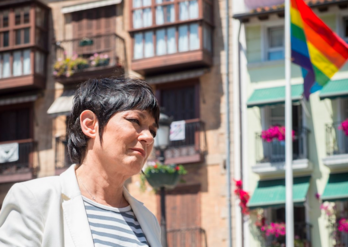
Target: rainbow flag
[(314, 47)]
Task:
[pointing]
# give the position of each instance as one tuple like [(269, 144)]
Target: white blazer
[(50, 212)]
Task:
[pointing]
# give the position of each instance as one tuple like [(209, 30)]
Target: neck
[(97, 184)]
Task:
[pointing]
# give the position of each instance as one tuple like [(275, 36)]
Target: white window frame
[(265, 39)]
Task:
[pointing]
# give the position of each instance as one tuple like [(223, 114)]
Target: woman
[(111, 133)]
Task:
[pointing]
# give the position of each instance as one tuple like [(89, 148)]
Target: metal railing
[(189, 237), (24, 164), (336, 140), (302, 233), (62, 158), (107, 44), (274, 151), (191, 145)]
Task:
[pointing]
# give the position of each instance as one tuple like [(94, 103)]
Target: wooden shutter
[(183, 212)]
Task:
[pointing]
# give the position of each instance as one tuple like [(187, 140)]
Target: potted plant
[(275, 132), (99, 60), (160, 175), (69, 66)]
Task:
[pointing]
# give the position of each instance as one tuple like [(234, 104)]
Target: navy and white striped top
[(117, 227)]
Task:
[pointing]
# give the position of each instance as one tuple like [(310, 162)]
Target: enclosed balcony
[(187, 150), (270, 156), (16, 160), (90, 57), (23, 45), (336, 146)]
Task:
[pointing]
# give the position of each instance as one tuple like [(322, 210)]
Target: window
[(165, 41), (21, 63), (345, 29), (142, 17), (164, 13), (39, 62), (275, 40), (22, 36), (5, 39), (188, 10), (4, 18), (16, 123)]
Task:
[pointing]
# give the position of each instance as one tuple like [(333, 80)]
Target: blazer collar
[(76, 218)]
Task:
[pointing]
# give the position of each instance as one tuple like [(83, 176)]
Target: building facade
[(177, 46), (319, 144)]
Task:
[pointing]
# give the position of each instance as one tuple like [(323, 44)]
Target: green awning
[(336, 188), (274, 95), (271, 193), (334, 89)]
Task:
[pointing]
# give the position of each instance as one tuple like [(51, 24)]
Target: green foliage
[(68, 66)]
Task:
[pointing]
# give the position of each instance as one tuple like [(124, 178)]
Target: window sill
[(336, 161), (263, 169), (263, 64)]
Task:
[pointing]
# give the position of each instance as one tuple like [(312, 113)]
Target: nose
[(146, 137)]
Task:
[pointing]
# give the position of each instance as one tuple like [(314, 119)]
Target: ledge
[(336, 161), (303, 165)]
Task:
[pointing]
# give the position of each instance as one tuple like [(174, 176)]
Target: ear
[(89, 124)]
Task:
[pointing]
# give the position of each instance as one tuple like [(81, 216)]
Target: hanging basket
[(163, 179)]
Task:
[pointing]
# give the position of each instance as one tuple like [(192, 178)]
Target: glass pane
[(146, 3), (18, 13), (194, 37), (26, 62), (207, 38), (136, 3), (277, 115), (5, 19), (26, 35), (40, 17), (5, 39), (159, 15), (18, 37), (17, 63), (147, 17), (170, 11), (6, 72), (276, 37), (183, 39), (183, 11), (171, 43), (193, 8), (149, 48), (138, 45), (137, 20), (161, 42), (276, 55), (26, 15)]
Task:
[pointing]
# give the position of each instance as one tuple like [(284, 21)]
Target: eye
[(133, 120), (153, 133)]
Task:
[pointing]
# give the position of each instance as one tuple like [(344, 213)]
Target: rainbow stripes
[(314, 47)]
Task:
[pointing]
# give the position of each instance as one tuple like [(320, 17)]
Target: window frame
[(265, 39)]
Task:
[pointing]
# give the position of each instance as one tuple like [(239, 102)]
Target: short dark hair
[(105, 97)]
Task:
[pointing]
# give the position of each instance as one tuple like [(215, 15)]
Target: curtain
[(138, 45), (183, 11), (183, 39), (6, 70), (146, 3), (136, 3), (159, 1), (194, 38), (193, 9), (147, 17), (17, 63), (170, 13), (161, 42), (149, 44), (171, 42), (26, 62), (137, 22), (159, 15)]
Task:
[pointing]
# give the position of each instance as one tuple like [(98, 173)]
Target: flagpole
[(289, 209)]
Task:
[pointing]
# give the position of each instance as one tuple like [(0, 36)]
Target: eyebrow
[(142, 115)]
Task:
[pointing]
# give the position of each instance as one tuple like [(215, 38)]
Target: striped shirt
[(117, 227)]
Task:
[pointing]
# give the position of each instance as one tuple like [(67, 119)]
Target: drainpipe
[(228, 134)]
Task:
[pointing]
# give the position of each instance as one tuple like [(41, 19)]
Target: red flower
[(155, 166), (177, 168), (239, 183)]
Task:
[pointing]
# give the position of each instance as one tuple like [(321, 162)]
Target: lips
[(141, 151)]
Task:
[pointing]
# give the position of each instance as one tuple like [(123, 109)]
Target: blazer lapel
[(145, 223), (74, 212)]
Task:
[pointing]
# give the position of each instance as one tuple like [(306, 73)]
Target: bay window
[(21, 63)]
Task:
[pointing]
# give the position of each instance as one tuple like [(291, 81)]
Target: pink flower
[(343, 225), (239, 183), (275, 132), (276, 229), (344, 127), (317, 195)]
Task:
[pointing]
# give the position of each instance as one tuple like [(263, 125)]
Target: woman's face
[(128, 140)]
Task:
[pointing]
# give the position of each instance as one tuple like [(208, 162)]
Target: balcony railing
[(62, 159), (274, 151), (336, 140), (187, 150), (110, 46), (22, 168), (189, 237), (302, 233)]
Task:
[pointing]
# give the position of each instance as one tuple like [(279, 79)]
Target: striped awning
[(335, 89), (274, 95), (18, 98), (62, 105), (90, 5), (179, 76)]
